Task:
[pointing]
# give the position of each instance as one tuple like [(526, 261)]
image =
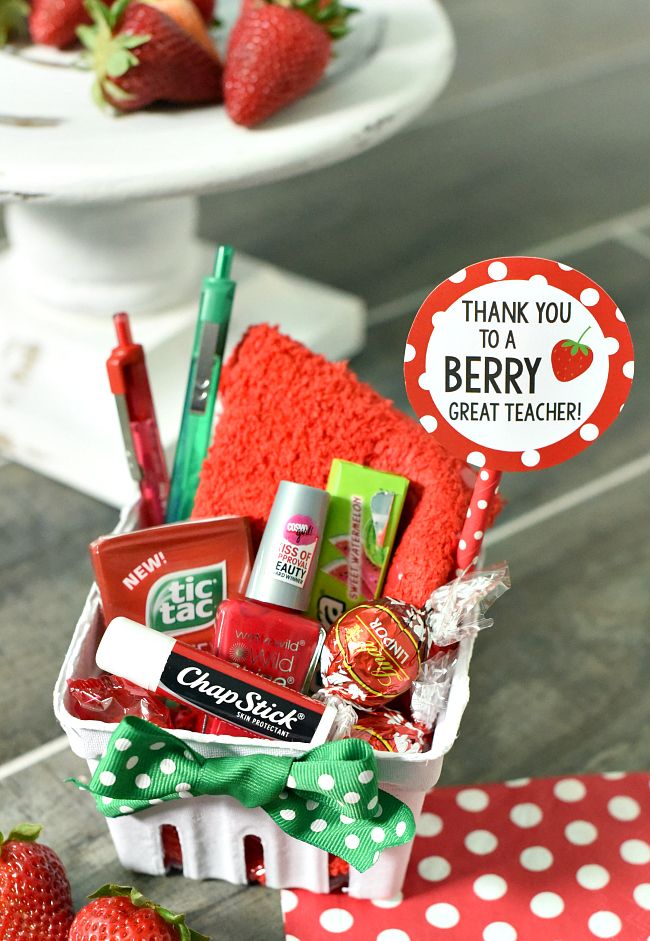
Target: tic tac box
[(173, 578)]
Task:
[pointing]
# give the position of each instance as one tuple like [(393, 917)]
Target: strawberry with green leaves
[(13, 16), (117, 911), (570, 358), (148, 51), (35, 900), (55, 22), (278, 51)]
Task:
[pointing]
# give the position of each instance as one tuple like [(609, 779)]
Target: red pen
[(127, 375)]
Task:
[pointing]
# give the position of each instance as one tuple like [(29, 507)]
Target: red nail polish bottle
[(265, 631)]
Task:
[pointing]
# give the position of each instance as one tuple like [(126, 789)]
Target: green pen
[(215, 306)]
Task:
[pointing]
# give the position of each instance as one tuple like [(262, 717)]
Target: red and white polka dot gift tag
[(516, 364), (564, 859)]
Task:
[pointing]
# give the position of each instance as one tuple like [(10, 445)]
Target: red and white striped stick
[(471, 538)]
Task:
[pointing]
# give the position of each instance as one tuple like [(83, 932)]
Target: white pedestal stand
[(101, 217), (57, 414)]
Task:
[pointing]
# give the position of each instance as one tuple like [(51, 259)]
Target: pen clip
[(129, 446), (208, 349)]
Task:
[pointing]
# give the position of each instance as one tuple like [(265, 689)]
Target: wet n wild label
[(184, 601)]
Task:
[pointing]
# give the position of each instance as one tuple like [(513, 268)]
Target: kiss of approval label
[(240, 700), (296, 550), (182, 601), (518, 363)]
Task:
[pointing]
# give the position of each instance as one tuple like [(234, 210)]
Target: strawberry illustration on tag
[(570, 358)]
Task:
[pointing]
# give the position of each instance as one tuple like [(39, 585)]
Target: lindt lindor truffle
[(373, 652), (388, 730)]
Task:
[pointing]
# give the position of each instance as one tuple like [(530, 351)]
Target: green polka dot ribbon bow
[(327, 797)]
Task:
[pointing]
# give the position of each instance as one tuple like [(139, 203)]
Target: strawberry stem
[(23, 833), (109, 53), (332, 16), (13, 17), (582, 334)]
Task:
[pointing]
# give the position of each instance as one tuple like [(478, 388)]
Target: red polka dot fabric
[(561, 859)]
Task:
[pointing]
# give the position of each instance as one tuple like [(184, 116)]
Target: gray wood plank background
[(540, 145)]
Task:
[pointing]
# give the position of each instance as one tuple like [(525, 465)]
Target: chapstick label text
[(237, 700)]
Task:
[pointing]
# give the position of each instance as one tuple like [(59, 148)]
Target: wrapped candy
[(388, 730), (254, 859), (430, 693), (346, 715), (373, 652), (457, 609), (110, 698), (187, 718), (453, 612), (338, 869)]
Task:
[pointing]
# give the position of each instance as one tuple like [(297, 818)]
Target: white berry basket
[(212, 829)]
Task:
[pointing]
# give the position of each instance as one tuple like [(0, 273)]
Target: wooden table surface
[(540, 146)]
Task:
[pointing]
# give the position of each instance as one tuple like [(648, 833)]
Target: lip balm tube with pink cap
[(164, 665)]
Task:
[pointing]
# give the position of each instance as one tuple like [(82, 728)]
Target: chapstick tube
[(164, 665)]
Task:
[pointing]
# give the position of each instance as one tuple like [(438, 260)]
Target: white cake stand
[(101, 217)]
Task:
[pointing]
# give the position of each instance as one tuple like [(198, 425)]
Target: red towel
[(288, 412)]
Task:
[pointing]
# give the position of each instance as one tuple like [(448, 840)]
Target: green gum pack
[(362, 520)]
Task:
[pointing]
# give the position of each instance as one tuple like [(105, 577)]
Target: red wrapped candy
[(110, 698), (339, 872), (373, 652), (388, 730), (187, 718)]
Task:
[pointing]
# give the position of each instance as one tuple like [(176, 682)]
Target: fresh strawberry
[(278, 51), (248, 5), (570, 358), (145, 52), (13, 15), (35, 900), (55, 22), (118, 911), (187, 15)]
